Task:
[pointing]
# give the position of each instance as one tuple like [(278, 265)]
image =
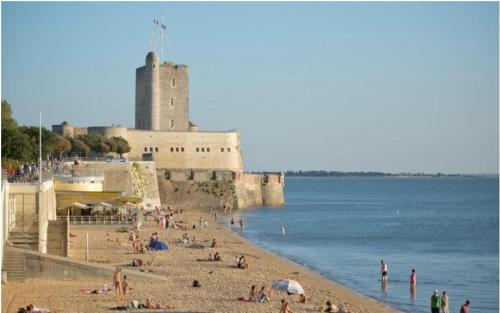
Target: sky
[(392, 87)]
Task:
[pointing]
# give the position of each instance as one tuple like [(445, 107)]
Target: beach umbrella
[(288, 285)]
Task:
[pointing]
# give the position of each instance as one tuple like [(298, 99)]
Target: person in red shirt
[(465, 307)]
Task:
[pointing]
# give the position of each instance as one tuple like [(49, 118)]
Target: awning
[(79, 205), (105, 204)]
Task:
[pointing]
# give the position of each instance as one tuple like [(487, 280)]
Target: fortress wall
[(197, 194), (77, 131), (272, 190), (178, 149), (248, 191), (113, 131), (136, 179)]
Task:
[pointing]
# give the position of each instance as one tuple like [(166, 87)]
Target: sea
[(445, 228)]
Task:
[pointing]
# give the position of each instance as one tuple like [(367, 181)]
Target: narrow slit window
[(182, 149), (173, 82), (171, 149), (156, 149), (221, 149), (202, 149), (177, 149), (171, 123), (208, 149), (172, 101), (228, 149), (145, 149), (150, 149), (197, 149)]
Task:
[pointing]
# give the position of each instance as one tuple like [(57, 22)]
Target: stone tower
[(161, 96)]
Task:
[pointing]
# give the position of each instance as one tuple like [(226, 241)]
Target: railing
[(99, 220), (28, 178), (78, 172)]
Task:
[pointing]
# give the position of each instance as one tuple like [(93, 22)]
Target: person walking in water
[(413, 278), (241, 223), (283, 231), (435, 302), (383, 270), (232, 221), (444, 302), (465, 307)]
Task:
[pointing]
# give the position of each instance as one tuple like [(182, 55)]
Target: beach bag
[(196, 284)]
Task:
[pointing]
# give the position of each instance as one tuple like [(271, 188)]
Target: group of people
[(241, 262), (27, 172), (121, 286), (240, 222), (256, 296), (137, 246), (439, 303)]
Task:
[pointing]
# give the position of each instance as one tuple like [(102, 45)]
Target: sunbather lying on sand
[(103, 289), (148, 304)]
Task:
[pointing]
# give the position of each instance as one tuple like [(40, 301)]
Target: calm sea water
[(447, 231)]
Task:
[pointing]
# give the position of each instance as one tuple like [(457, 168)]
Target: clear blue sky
[(338, 86)]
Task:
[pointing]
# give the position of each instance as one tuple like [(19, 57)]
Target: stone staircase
[(24, 240), (57, 238), (14, 264)]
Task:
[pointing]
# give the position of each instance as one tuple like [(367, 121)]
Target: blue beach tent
[(158, 245)]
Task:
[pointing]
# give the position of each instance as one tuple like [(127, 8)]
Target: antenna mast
[(163, 36), (162, 29)]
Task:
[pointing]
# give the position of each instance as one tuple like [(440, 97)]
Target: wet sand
[(222, 283)]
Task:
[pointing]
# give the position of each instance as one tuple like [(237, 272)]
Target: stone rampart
[(223, 190)]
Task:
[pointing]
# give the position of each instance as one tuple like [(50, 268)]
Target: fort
[(193, 168)]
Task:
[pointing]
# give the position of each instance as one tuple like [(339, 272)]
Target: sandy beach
[(221, 282)]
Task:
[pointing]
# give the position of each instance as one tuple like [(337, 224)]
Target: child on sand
[(125, 288)]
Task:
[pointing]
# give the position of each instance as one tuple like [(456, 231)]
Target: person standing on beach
[(444, 303), (125, 288), (435, 302), (232, 221), (383, 270), (283, 231), (413, 278), (465, 307), (117, 282), (241, 223)]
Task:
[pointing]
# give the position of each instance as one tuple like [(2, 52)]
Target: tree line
[(20, 143)]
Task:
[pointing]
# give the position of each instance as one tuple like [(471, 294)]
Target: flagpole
[(40, 149), (162, 30)]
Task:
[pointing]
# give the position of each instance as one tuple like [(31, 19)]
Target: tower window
[(171, 123), (156, 149), (177, 149), (173, 82), (208, 149), (197, 149), (171, 149), (145, 149), (202, 149), (221, 149), (172, 101), (228, 149), (182, 149)]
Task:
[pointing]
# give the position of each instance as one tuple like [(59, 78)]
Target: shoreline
[(305, 268), (222, 283)]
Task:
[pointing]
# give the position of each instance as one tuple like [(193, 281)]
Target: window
[(202, 149), (173, 82), (228, 149), (182, 149), (145, 149), (176, 149), (171, 149), (150, 149), (172, 101), (221, 149), (156, 149), (171, 123), (208, 149), (197, 149)]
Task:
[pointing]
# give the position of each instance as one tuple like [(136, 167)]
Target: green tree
[(79, 146), (123, 146), (61, 145)]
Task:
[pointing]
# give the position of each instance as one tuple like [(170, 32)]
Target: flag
[(163, 27)]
